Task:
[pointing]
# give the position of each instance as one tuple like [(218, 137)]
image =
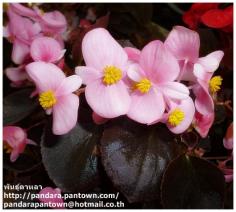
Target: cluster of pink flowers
[(149, 86), (152, 85), (38, 44)]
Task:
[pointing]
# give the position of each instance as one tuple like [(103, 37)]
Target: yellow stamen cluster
[(215, 84), (47, 99), (7, 147), (143, 86), (176, 117), (112, 75)]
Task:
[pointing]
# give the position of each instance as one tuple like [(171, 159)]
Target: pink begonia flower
[(228, 139), (106, 62), (46, 49), (14, 141), (17, 75), (53, 196), (184, 44), (180, 115), (21, 32), (152, 79), (203, 123), (55, 94)]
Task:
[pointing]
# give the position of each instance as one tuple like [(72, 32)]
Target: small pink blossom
[(184, 44), (15, 140), (53, 196), (106, 62), (180, 115), (153, 80), (55, 94)]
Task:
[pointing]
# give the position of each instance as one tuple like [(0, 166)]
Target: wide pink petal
[(20, 52), (204, 103), (69, 85), (100, 49), (46, 76), (54, 193), (87, 74), (174, 90), (212, 61), (158, 63), (108, 101), (146, 108), (65, 114), (187, 106), (183, 43), (133, 53), (16, 74), (45, 49)]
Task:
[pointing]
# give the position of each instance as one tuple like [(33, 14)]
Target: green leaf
[(135, 156), (69, 159), (17, 106), (192, 183)]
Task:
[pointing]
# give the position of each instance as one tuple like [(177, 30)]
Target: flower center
[(215, 83), (112, 75), (144, 85), (7, 147), (47, 99), (176, 117)]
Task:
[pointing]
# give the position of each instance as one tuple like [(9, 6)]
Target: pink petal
[(158, 63), (100, 49), (133, 54), (183, 43), (203, 102), (108, 101), (65, 114), (54, 22), (202, 123), (87, 74), (46, 76), (69, 85), (174, 90), (16, 74), (187, 106), (22, 10), (31, 142), (98, 119), (55, 193), (146, 108), (14, 155), (211, 62), (45, 49), (201, 73), (20, 52), (134, 72)]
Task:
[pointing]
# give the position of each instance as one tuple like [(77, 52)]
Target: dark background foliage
[(149, 166)]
